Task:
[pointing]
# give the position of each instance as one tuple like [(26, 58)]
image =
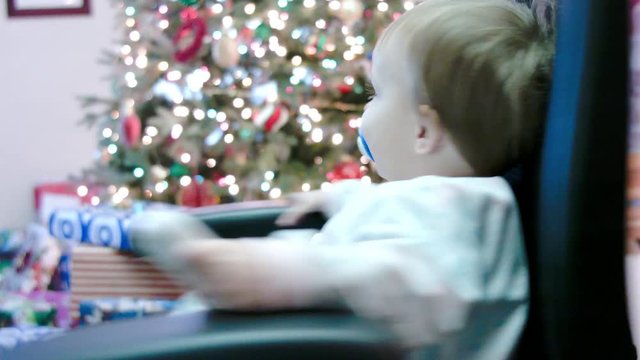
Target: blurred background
[(49, 61), (191, 103), (112, 107)]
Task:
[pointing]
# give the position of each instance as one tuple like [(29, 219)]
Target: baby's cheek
[(370, 121)]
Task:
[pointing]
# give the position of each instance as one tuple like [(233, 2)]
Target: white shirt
[(439, 260)]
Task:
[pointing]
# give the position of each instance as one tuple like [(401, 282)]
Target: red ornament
[(197, 194), (190, 35), (132, 130), (225, 52), (368, 14), (187, 14), (246, 34), (217, 176), (344, 171), (229, 151), (345, 89)]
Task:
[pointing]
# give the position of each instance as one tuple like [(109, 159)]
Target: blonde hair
[(485, 67)]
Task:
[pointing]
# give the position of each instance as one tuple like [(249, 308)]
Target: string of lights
[(220, 100)]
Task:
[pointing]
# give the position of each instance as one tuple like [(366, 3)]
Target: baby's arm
[(156, 235), (426, 262), (421, 286), (392, 281), (328, 202), (257, 274)]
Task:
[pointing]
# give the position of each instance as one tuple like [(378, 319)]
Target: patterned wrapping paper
[(632, 260), (100, 226), (99, 272), (97, 227), (633, 160), (108, 309), (98, 263), (13, 337)]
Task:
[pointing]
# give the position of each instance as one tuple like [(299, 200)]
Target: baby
[(436, 253)]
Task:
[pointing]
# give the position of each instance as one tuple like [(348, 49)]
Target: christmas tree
[(220, 100)]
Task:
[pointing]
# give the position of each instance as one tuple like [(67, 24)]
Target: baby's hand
[(301, 205), (244, 275), (156, 234)]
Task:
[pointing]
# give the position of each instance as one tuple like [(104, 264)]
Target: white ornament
[(225, 52), (350, 11), (159, 172)]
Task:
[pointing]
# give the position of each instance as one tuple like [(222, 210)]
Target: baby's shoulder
[(494, 189)]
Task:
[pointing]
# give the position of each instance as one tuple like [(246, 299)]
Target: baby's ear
[(429, 130)]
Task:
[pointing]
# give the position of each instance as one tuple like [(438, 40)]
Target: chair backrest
[(572, 200)]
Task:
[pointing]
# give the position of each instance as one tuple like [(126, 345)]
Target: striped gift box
[(101, 272), (633, 204)]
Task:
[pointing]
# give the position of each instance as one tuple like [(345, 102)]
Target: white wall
[(45, 63)]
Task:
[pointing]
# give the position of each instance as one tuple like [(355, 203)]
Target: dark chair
[(575, 206), (572, 203)]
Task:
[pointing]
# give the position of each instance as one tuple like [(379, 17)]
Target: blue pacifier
[(364, 148)]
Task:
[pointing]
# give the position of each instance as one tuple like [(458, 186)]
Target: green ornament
[(189, 2), (178, 170), (322, 40), (263, 31), (246, 134)]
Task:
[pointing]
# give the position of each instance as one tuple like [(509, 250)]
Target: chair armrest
[(222, 335), (251, 219)]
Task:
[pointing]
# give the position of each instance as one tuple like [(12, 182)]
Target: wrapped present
[(29, 258), (57, 195), (10, 243), (61, 279), (105, 227), (12, 337), (98, 263), (10, 240), (91, 226), (27, 310), (99, 272), (39, 308), (109, 309), (32, 260), (58, 300)]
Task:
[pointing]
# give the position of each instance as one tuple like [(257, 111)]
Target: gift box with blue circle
[(95, 227), (66, 225)]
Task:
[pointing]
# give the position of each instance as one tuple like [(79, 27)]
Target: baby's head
[(460, 89)]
